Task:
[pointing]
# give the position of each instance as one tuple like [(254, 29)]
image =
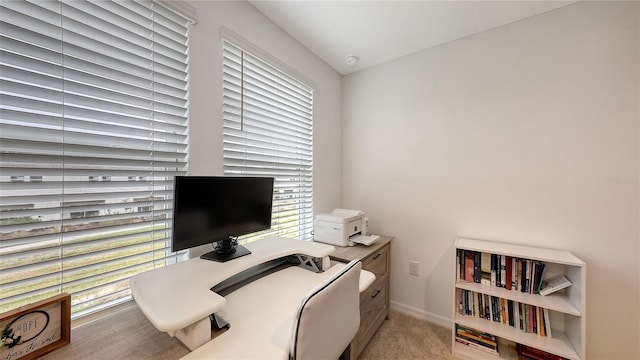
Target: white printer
[(341, 227)]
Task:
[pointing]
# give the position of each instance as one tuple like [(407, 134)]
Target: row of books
[(488, 343), (508, 272), (525, 317), (477, 339)]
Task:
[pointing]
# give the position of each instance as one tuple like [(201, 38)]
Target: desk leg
[(195, 335)]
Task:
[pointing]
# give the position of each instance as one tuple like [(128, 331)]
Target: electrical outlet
[(414, 268)]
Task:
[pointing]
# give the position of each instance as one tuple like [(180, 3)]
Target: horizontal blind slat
[(94, 127)]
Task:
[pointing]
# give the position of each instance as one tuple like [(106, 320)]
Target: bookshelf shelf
[(566, 308), (559, 344), (556, 302)]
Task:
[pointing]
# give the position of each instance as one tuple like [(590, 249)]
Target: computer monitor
[(217, 209)]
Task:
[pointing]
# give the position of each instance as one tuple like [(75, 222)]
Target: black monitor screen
[(208, 209)]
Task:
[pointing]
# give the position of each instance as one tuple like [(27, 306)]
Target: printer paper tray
[(364, 239)]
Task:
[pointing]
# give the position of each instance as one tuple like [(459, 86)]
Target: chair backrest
[(328, 318)]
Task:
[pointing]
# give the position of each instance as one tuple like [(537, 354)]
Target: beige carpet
[(404, 337), (126, 334)]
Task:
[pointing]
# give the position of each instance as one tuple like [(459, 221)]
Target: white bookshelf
[(566, 307)]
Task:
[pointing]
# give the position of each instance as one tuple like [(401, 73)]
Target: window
[(268, 132), (93, 94)]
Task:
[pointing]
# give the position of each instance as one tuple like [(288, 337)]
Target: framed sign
[(36, 329)]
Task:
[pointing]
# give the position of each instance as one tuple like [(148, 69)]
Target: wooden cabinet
[(374, 302), (566, 307)]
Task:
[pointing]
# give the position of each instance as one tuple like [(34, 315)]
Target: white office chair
[(328, 318)]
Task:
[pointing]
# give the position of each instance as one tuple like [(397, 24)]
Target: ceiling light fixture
[(351, 60)]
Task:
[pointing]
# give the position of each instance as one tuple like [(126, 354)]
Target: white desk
[(261, 315), (177, 299)]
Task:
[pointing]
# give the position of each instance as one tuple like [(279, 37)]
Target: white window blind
[(93, 128), (268, 132)]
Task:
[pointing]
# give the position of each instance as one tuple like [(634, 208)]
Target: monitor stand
[(225, 250), (224, 257)]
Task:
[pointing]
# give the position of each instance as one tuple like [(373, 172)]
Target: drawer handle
[(377, 256), (376, 294)]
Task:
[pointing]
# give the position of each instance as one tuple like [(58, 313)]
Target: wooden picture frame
[(36, 329)]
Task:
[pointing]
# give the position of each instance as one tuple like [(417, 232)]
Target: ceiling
[(379, 31)]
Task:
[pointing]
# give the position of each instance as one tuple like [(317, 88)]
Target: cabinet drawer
[(372, 302), (377, 262)]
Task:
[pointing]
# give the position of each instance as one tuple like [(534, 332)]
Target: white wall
[(206, 92), (527, 133)]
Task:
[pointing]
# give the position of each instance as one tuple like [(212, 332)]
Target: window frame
[(166, 136), (268, 119)]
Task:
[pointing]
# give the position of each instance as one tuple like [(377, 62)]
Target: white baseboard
[(421, 314)]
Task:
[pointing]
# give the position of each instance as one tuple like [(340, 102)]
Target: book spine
[(514, 276), (510, 312), (476, 267), (523, 276), (477, 339), (485, 268), (483, 334), (476, 305), (487, 307), (469, 266), (541, 280), (476, 346), (541, 329), (529, 275), (509, 272), (547, 321), (493, 269), (536, 278), (516, 316), (458, 253), (503, 271)]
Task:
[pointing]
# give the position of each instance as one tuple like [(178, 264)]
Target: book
[(458, 254), (509, 273), (541, 329), (476, 267), (547, 322), (493, 269), (477, 346), (522, 269), (487, 306), (527, 276), (537, 278), (485, 268), (477, 332), (554, 284), (476, 304), (503, 271), (510, 315), (469, 266), (514, 276), (536, 354), (477, 338)]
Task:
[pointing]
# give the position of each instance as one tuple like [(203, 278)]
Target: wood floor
[(125, 334)]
